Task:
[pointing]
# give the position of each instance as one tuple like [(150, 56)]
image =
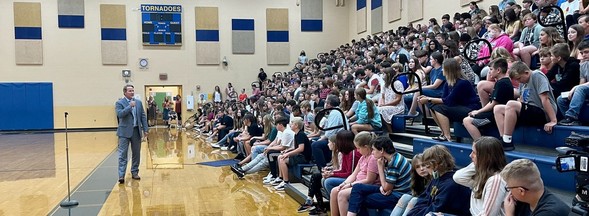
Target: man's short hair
[(500, 64), (525, 172), (518, 68), (561, 50), (332, 100), (126, 86)]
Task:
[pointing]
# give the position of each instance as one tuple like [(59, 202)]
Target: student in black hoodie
[(565, 73)]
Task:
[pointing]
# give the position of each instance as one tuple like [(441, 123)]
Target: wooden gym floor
[(33, 178)]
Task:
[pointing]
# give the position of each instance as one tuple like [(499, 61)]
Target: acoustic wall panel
[(28, 33), (243, 36), (70, 13), (113, 28), (208, 49), (375, 16), (360, 16), (416, 10), (277, 36), (311, 15), (394, 10)]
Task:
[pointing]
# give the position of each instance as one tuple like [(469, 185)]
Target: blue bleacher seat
[(398, 123), (529, 135), (545, 163)]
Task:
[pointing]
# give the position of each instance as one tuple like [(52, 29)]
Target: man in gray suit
[(132, 126)]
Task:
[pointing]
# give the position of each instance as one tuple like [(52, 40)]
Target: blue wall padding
[(26, 106)]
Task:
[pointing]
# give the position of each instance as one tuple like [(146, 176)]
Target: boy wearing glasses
[(527, 195)]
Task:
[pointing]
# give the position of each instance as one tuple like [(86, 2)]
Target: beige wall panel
[(208, 53), (277, 19), (27, 14), (278, 53), (114, 52), (206, 18), (113, 16), (361, 20), (415, 8), (394, 10), (28, 52)]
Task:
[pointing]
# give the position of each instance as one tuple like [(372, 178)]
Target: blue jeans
[(321, 153), (123, 151), (331, 182), (369, 196), (256, 150), (572, 108)]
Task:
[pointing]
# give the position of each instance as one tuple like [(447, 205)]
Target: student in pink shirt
[(366, 172)]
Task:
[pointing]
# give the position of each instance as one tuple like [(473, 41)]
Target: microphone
[(65, 114)]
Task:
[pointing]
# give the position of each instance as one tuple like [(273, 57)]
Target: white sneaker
[(268, 176), (215, 145), (276, 181), (268, 181), (224, 148), (210, 139), (280, 187)]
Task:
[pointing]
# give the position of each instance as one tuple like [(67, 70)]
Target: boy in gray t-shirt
[(536, 100)]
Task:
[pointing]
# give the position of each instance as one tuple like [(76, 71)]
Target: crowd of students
[(533, 77)]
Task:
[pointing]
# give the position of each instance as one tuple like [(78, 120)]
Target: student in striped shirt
[(394, 175), (483, 177)]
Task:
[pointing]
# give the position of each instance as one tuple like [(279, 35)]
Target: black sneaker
[(508, 146), (317, 212), (238, 171), (239, 157), (304, 208), (568, 121)]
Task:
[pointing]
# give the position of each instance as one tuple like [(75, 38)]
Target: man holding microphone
[(132, 127)]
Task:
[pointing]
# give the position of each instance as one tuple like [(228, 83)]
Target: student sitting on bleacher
[(299, 153), (435, 87), (260, 143), (390, 103), (458, 99), (529, 41), (261, 161), (420, 178), (365, 173), (536, 100), (564, 75), (394, 171), (502, 93), (570, 105), (321, 152), (344, 160), (367, 116), (442, 194), (526, 192), (482, 177)]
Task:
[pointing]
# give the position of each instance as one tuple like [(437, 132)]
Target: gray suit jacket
[(125, 116)]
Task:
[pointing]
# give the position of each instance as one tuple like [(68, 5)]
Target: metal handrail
[(562, 22), (477, 41), (322, 114), (419, 89)]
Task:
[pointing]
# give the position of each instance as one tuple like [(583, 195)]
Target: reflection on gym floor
[(165, 149)]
